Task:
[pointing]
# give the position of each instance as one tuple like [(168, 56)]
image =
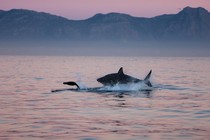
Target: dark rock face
[(188, 24)]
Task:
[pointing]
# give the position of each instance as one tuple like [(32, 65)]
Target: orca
[(121, 78), (117, 78)]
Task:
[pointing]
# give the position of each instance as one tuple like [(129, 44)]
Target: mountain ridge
[(188, 24)]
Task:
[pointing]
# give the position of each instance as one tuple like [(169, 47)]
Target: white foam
[(82, 85), (126, 87)]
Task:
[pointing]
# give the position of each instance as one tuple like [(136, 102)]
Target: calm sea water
[(178, 108)]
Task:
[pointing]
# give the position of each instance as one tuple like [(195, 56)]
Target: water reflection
[(178, 110), (118, 94), (144, 94)]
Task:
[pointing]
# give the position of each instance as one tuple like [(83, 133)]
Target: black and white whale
[(118, 78), (121, 78)]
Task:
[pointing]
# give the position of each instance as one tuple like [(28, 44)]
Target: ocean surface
[(178, 107)]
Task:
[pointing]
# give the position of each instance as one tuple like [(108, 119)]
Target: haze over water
[(178, 107)]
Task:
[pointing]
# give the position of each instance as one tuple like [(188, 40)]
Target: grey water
[(177, 108)]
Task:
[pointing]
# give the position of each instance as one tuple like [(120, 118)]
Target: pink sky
[(81, 9)]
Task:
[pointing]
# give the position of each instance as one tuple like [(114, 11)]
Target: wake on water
[(140, 86), (126, 87), (131, 87)]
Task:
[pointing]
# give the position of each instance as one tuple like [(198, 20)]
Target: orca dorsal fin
[(70, 83), (120, 71), (146, 79)]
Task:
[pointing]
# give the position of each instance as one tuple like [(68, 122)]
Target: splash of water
[(79, 81), (82, 85), (126, 87)]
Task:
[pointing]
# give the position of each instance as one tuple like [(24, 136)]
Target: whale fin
[(70, 83), (146, 79), (121, 71)]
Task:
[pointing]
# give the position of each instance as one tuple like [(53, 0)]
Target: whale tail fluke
[(146, 79), (71, 83)]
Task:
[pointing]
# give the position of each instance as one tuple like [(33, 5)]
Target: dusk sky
[(82, 9)]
